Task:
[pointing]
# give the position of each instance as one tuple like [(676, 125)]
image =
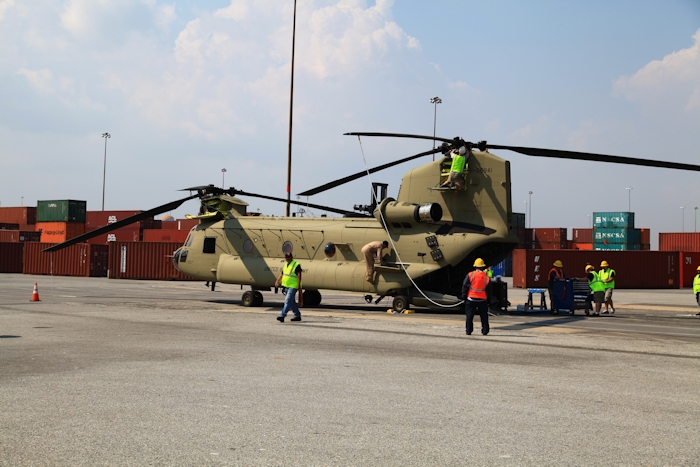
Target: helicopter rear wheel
[(248, 298), (258, 298), (312, 298), (400, 303)]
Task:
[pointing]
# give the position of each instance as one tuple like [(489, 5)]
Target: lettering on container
[(111, 219), (111, 237)]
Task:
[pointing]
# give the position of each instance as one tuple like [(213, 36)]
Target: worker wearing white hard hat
[(458, 168)]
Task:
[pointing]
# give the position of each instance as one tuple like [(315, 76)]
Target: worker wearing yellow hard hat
[(475, 296), (597, 288), (607, 277), (555, 274), (696, 287)]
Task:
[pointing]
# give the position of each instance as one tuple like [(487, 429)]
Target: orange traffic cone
[(35, 294)]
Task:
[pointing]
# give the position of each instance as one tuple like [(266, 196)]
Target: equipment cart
[(570, 295)]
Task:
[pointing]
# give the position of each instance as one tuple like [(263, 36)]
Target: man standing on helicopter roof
[(459, 163)]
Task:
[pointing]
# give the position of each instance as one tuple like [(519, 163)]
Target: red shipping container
[(96, 219), (178, 236), (679, 241), (144, 260), (582, 235), (645, 237), (179, 224), (18, 215), (11, 257), (126, 234), (58, 232), (76, 260), (689, 261), (583, 246), (635, 269), (4, 226), (19, 236), (549, 235), (552, 245)]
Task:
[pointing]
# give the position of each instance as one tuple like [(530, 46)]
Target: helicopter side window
[(287, 247), (329, 249), (190, 237), (209, 245)]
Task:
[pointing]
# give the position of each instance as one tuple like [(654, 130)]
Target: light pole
[(223, 172), (104, 172), (525, 213), (435, 100), (683, 219), (21, 203), (530, 206), (629, 198), (589, 221)]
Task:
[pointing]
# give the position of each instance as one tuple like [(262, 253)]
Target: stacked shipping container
[(615, 231), (77, 260), (143, 260), (60, 220)]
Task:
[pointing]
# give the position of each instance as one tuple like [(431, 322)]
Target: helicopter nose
[(176, 257)]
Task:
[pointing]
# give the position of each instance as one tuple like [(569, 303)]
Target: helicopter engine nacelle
[(398, 214)]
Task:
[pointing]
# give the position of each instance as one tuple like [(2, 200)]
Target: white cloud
[(5, 5), (674, 80)]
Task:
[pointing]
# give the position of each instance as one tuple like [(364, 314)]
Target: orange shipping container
[(77, 260), (144, 260), (634, 269), (583, 246), (11, 257), (57, 232)]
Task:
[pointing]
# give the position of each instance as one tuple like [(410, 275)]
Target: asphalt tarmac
[(117, 372)]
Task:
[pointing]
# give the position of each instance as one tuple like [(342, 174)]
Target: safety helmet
[(604, 264), (479, 263), (589, 267), (558, 264), (462, 150), (698, 268)]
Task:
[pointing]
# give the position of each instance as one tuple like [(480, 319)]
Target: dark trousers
[(482, 308)]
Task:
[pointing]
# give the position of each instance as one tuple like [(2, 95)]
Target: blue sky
[(188, 88)]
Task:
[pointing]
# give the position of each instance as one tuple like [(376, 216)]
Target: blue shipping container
[(617, 247), (609, 235)]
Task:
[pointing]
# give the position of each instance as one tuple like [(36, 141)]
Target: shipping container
[(645, 237), (616, 246), (551, 246), (634, 269), (7, 226), (607, 235), (144, 260), (582, 246), (689, 261), (582, 235), (125, 234), (613, 220), (179, 224), (504, 268), (18, 215), (519, 220), (58, 232), (81, 260), (689, 241), (160, 235), (11, 257), (61, 211), (96, 219), (16, 236), (549, 235)]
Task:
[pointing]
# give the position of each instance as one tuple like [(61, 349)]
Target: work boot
[(281, 319), (296, 318)]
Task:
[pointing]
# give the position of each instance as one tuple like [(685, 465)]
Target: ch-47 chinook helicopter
[(434, 233)]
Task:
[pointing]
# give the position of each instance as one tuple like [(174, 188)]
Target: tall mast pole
[(291, 105)]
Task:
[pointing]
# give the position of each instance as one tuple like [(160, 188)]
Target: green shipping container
[(618, 236), (619, 220), (617, 247), (61, 211)]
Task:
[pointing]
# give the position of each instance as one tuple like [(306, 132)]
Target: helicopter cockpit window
[(209, 245), (329, 249), (287, 247), (188, 242), (248, 246)]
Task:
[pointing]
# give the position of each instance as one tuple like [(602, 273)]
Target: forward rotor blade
[(400, 135), (585, 156), (122, 223), (300, 203), (350, 178)]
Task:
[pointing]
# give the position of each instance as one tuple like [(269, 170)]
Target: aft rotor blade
[(400, 135), (350, 178), (585, 156), (122, 223), (300, 203)]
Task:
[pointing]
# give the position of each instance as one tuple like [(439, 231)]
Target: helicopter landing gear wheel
[(400, 303), (312, 298), (248, 298), (368, 298), (257, 298)]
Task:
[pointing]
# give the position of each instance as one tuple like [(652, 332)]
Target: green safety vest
[(458, 163), (289, 279), (605, 275), (595, 284), (696, 284)]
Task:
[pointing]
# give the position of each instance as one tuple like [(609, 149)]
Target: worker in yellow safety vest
[(696, 288), (459, 164), (597, 287), (607, 277), (290, 279)]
